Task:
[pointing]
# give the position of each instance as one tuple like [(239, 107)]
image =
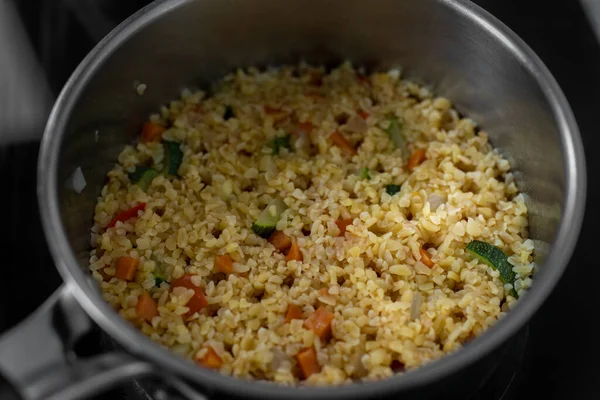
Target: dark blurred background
[(558, 356)]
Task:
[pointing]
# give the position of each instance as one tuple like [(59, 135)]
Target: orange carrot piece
[(198, 300), (425, 258), (342, 224), (307, 359), (293, 312), (339, 140), (125, 268), (224, 264), (146, 307), (305, 127), (320, 322), (416, 159), (363, 114), (277, 113), (280, 241), (151, 132), (127, 214), (210, 359), (294, 253)]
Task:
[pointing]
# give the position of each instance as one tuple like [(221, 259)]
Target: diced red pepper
[(127, 214)]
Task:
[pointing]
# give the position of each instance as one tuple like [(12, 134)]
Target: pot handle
[(38, 360)]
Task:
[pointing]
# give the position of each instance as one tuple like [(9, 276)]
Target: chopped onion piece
[(76, 181), (415, 306), (435, 200), (357, 125), (280, 358)]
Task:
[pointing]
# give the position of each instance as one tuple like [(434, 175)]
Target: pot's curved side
[(476, 60)]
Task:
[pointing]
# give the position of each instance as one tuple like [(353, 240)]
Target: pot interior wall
[(198, 41)]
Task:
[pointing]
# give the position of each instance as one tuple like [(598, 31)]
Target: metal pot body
[(462, 52)]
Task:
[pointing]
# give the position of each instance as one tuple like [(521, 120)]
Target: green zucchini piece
[(143, 176), (395, 131), (280, 142), (267, 220), (495, 258), (392, 189), (158, 279), (363, 173), (173, 158)]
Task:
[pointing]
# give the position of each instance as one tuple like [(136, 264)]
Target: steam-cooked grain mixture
[(395, 290)]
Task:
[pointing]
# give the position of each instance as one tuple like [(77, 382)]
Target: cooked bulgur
[(366, 274)]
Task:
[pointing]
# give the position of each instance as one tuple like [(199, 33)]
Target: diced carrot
[(224, 264), (146, 307), (305, 127), (294, 253), (363, 114), (339, 140), (425, 258), (320, 322), (125, 268), (307, 359), (127, 214), (280, 241), (151, 132), (342, 224), (416, 159), (277, 113), (293, 312), (210, 359), (198, 300)]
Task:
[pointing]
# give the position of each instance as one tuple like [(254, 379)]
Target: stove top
[(554, 357)]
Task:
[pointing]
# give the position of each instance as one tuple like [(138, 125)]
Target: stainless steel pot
[(466, 54)]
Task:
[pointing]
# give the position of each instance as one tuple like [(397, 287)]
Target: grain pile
[(372, 233)]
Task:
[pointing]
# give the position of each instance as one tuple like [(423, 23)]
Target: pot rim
[(135, 342)]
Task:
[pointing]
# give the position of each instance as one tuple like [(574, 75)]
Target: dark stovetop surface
[(559, 360)]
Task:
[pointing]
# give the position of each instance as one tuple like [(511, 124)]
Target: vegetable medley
[(304, 226)]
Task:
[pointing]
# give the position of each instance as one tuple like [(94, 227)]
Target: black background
[(562, 359)]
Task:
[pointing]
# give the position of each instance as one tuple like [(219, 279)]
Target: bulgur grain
[(359, 247)]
